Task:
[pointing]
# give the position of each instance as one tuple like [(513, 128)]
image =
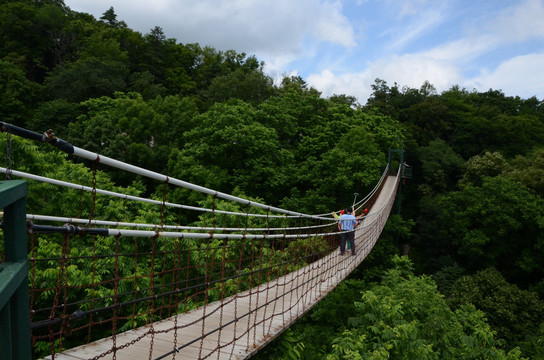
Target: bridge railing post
[(14, 299)]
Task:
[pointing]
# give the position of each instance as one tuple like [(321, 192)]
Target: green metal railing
[(14, 301)]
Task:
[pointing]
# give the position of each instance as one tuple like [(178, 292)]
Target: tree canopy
[(471, 216)]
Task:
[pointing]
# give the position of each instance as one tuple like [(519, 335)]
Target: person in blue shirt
[(347, 225)]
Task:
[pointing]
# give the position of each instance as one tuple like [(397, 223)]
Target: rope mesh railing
[(200, 290)]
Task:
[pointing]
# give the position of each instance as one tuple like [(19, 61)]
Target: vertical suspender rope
[(165, 252), (222, 249), (244, 238), (267, 279), (93, 289), (176, 280), (32, 279), (151, 313), (115, 298)]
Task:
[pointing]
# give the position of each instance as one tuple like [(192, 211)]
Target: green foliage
[(404, 317), (86, 78), (446, 277), (241, 151), (110, 18), (511, 134), (55, 115), (396, 232), (487, 165), (440, 167), (289, 347), (16, 93), (316, 330), (125, 128), (23, 39), (529, 170), (214, 118), (251, 86), (516, 315), (297, 135), (145, 84), (481, 222)]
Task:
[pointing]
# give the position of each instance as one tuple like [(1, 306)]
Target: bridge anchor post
[(14, 300)]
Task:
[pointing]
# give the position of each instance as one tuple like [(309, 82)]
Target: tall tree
[(16, 94), (404, 317), (516, 315), (110, 18), (496, 224)]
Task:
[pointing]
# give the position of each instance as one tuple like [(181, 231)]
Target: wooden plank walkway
[(238, 326)]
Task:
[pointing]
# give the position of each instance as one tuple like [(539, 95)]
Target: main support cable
[(364, 200), (138, 198), (359, 204), (71, 229), (50, 138), (70, 220)]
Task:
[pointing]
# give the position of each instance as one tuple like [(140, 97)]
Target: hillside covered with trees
[(471, 224)]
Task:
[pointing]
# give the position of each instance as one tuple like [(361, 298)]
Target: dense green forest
[(471, 224)]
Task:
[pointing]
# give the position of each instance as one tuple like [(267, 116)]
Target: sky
[(343, 46)]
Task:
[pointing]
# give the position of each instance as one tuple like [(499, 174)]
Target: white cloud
[(261, 27), (463, 50), (354, 84), (521, 22), (333, 26), (275, 68), (409, 7), (316, 38), (521, 76), (422, 25), (413, 70), (406, 70), (404, 8)]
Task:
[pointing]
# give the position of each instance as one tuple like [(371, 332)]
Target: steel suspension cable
[(48, 137), (71, 229), (70, 220), (136, 198), (359, 204)]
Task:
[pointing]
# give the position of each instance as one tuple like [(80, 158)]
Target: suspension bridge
[(221, 287)]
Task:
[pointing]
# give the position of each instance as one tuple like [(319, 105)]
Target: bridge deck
[(236, 327)]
